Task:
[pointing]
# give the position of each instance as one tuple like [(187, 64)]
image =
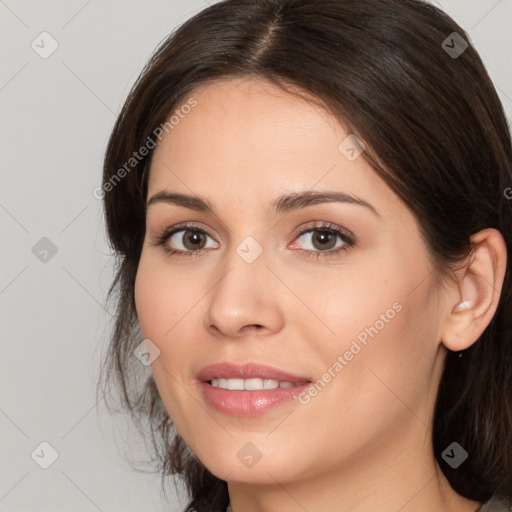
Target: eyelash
[(349, 242)]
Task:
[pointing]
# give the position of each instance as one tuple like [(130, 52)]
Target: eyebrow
[(282, 204)]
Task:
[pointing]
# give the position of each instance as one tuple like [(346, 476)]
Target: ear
[(473, 302)]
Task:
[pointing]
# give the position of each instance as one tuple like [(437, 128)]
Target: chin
[(245, 465)]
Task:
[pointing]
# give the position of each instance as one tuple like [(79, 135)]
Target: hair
[(434, 130)]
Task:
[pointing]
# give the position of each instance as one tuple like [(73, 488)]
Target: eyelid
[(318, 225)]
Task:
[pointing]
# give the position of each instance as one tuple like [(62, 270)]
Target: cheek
[(150, 302), (168, 304), (380, 371), (162, 299), (386, 333)]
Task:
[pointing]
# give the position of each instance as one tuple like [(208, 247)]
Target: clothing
[(495, 504)]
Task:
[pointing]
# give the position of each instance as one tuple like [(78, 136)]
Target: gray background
[(57, 114)]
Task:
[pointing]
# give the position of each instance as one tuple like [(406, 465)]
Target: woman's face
[(358, 312)]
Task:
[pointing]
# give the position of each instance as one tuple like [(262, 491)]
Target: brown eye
[(324, 239), (186, 240), (193, 240)]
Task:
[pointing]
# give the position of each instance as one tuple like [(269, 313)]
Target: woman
[(310, 201)]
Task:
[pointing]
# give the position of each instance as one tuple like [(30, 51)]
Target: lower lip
[(248, 403)]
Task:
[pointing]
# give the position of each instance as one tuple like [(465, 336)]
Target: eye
[(185, 240), (325, 238)]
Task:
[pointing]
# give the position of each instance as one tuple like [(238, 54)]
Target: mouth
[(249, 376), (248, 389), (253, 384)]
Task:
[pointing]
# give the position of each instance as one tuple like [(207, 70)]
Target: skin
[(364, 442)]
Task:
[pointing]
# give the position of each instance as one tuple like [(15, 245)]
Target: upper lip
[(228, 370)]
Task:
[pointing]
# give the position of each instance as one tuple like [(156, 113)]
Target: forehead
[(248, 138), (242, 119)]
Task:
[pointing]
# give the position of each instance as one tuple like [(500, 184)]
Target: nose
[(245, 300)]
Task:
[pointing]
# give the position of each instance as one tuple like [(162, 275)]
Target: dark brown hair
[(435, 131)]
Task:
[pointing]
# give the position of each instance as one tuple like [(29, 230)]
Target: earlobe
[(479, 288)]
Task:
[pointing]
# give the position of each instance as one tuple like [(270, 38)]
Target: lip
[(247, 371), (248, 403)]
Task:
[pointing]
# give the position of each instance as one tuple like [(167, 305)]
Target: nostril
[(254, 326)]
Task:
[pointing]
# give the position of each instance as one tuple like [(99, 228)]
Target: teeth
[(251, 384)]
